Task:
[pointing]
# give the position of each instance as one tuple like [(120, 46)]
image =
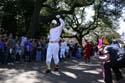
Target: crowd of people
[(15, 49), (23, 49)]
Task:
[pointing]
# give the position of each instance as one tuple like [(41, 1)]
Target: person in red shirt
[(87, 48)]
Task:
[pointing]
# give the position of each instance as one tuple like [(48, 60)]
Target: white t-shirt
[(56, 32), (23, 40), (63, 45)]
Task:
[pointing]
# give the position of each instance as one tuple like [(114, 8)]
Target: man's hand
[(95, 56), (57, 16)]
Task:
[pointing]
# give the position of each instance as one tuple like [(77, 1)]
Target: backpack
[(115, 54), (121, 54)]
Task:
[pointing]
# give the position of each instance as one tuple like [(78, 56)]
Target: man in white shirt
[(53, 45)]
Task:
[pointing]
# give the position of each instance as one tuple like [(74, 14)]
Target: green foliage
[(45, 11), (18, 14), (107, 22)]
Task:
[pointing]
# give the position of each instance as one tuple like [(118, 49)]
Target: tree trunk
[(35, 20), (79, 38)]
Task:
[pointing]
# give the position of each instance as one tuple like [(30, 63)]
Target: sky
[(122, 22), (122, 26), (90, 13)]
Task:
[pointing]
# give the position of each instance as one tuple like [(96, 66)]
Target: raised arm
[(62, 23)]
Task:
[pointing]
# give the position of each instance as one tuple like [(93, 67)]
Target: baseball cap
[(54, 22)]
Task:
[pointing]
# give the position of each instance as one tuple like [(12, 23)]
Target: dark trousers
[(115, 66), (10, 58), (1, 56)]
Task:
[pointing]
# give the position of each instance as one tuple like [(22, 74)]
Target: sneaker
[(120, 81), (48, 71), (119, 78), (56, 69)]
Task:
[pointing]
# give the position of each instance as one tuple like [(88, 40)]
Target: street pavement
[(71, 71)]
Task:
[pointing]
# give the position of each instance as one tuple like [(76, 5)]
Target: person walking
[(112, 61), (53, 45)]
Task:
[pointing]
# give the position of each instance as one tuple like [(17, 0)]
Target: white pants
[(62, 53), (52, 52)]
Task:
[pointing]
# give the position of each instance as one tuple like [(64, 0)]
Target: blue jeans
[(38, 55)]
